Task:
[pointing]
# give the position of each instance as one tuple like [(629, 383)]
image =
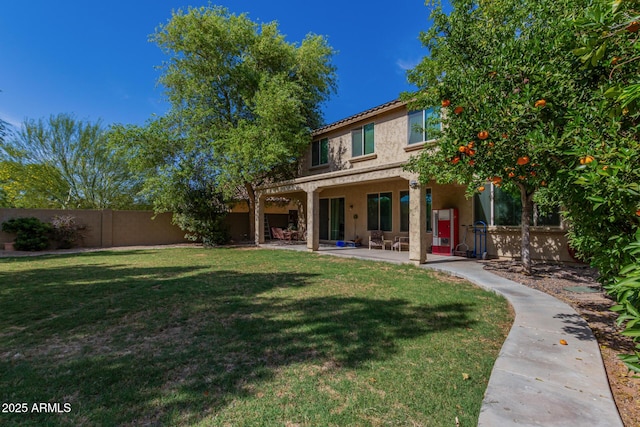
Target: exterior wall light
[(413, 184)]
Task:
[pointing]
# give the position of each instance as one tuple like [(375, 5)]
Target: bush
[(200, 211), (66, 231), (31, 233), (211, 231), (626, 290)]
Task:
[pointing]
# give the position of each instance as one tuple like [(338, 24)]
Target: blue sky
[(93, 59)]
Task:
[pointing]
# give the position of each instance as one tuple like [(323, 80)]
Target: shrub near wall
[(91, 219), (31, 234), (107, 228)]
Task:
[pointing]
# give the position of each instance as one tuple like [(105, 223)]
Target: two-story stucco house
[(352, 182)]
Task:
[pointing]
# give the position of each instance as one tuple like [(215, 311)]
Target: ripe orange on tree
[(586, 160), (455, 160), (634, 27), (446, 102), (458, 110), (523, 160), (481, 188), (483, 134), (540, 103)]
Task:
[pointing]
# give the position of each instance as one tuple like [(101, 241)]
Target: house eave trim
[(333, 175)]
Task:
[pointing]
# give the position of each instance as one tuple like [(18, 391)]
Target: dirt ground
[(577, 285)]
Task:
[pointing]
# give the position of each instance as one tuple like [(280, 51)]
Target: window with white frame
[(495, 206), (362, 141), (424, 125), (320, 152)]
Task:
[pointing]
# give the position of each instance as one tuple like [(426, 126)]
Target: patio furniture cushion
[(280, 234), (399, 243), (376, 239)]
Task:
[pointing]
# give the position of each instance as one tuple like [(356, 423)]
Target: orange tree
[(602, 196), (498, 69)]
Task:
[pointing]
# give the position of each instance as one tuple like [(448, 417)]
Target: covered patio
[(348, 192), (365, 253)]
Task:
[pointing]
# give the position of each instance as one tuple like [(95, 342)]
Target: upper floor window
[(362, 141), (424, 125), (320, 152), (497, 207)]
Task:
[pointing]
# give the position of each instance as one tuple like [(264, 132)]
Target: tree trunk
[(251, 202), (527, 210)]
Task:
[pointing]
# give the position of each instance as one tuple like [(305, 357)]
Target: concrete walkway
[(535, 381)]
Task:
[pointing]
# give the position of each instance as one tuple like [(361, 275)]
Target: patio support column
[(417, 223), (313, 219), (259, 219)]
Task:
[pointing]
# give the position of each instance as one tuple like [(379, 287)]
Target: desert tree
[(241, 96)]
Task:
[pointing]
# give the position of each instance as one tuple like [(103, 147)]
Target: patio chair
[(280, 234), (376, 239), (399, 243)]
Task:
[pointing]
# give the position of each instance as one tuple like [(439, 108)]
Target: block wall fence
[(107, 228)]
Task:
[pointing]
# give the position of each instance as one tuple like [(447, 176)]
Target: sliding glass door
[(337, 219), (332, 215)]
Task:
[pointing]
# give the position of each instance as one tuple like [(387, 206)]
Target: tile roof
[(367, 113)]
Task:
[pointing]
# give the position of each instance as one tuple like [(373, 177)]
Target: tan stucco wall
[(443, 196), (270, 208), (356, 204), (141, 228), (106, 228), (547, 244), (92, 219), (354, 178), (390, 136)]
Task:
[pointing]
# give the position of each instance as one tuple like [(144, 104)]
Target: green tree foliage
[(27, 185), (555, 82), (626, 290), (31, 233), (240, 93), (603, 137), (498, 71), (179, 177), (64, 163), (603, 194), (4, 130), (200, 211)]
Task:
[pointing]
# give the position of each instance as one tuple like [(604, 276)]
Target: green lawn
[(242, 337)]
